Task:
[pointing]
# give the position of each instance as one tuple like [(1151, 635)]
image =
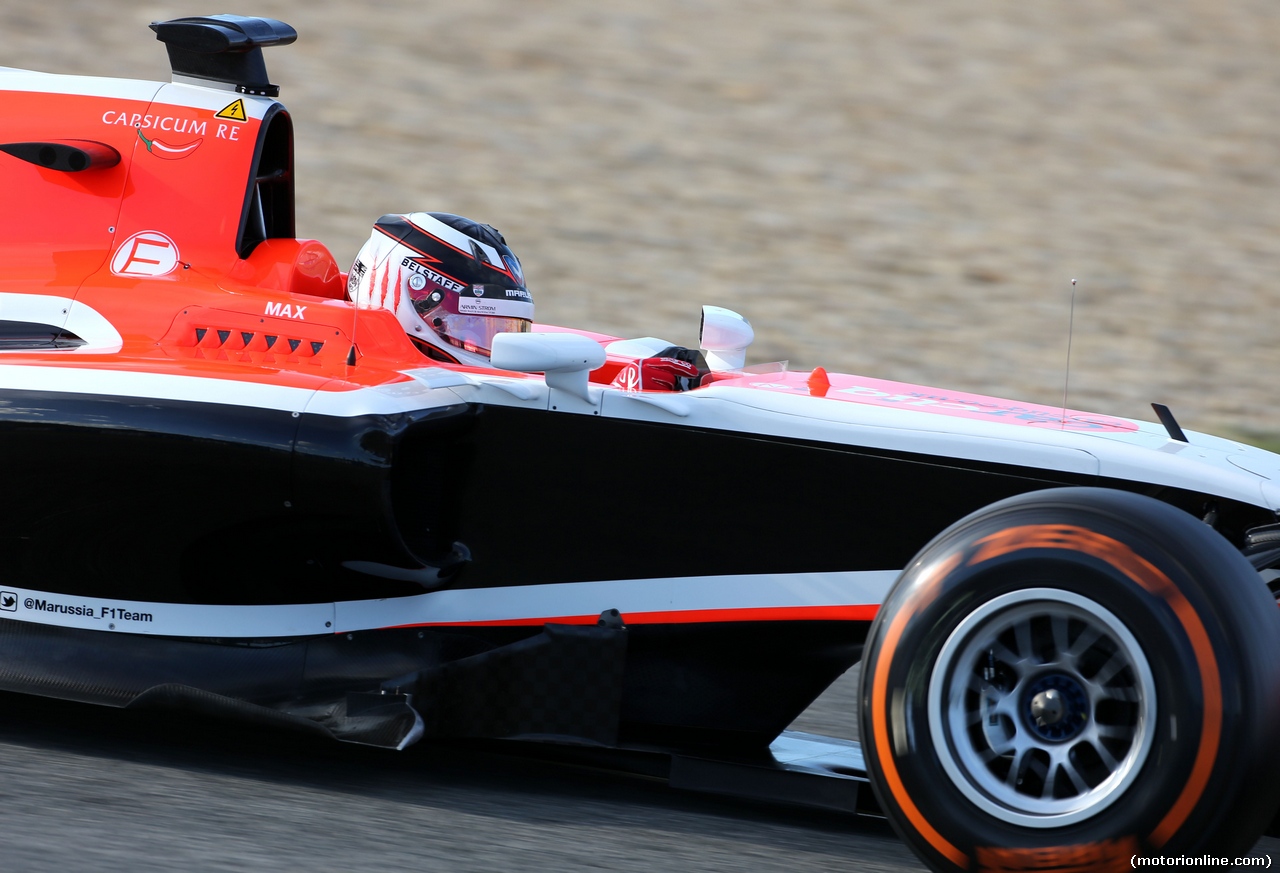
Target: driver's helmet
[(452, 282)]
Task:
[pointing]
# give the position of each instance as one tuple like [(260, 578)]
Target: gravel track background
[(901, 190), (897, 189)]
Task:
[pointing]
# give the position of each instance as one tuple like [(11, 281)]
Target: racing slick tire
[(1070, 678)]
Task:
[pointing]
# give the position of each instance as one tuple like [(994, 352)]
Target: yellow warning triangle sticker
[(234, 111)]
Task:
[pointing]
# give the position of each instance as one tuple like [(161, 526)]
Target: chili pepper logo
[(166, 151)]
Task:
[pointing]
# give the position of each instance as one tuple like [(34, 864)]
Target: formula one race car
[(235, 486)]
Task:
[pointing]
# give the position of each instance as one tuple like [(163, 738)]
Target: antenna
[(1066, 377)]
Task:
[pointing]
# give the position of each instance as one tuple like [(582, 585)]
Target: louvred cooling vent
[(259, 341), (213, 334)]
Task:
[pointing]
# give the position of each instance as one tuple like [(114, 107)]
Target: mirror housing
[(724, 336), (565, 358)]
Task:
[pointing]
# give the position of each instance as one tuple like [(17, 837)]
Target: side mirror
[(565, 358), (724, 336)]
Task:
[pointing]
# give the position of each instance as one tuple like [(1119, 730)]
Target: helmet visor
[(475, 333)]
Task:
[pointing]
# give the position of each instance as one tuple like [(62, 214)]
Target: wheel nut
[(1047, 707)]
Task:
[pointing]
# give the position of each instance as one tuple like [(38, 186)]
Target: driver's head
[(452, 282)]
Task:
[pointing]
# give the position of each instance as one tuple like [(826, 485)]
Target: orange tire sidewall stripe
[(1152, 579), (879, 691)]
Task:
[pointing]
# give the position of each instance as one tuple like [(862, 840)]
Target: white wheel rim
[(1042, 707)]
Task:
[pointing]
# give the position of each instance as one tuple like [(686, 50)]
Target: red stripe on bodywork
[(688, 616)]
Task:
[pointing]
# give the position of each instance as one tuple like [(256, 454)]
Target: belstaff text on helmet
[(438, 278)]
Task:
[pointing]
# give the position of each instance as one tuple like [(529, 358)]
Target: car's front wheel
[(1070, 678)]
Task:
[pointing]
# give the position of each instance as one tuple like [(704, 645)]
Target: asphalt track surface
[(84, 788)]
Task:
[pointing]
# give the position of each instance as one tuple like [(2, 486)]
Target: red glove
[(658, 374)]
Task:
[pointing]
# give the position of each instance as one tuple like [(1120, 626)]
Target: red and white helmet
[(452, 282)]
